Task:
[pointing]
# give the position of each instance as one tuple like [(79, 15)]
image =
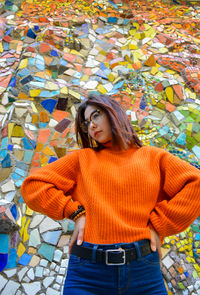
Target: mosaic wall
[(145, 54)]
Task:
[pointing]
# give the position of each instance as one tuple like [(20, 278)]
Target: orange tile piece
[(60, 115), (34, 118), (44, 117), (178, 90), (39, 147), (44, 135), (23, 96)]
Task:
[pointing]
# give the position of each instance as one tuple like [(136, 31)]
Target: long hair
[(123, 134)]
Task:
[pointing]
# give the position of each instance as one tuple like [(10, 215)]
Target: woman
[(123, 198)]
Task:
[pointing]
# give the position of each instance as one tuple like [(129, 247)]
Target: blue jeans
[(138, 277)]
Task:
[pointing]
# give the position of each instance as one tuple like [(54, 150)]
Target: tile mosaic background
[(145, 54)]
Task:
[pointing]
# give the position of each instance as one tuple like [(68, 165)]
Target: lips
[(96, 133)]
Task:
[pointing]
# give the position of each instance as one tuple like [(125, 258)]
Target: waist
[(112, 254)]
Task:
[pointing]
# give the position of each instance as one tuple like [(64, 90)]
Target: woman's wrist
[(78, 213)]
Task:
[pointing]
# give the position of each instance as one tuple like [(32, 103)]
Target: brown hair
[(123, 134)]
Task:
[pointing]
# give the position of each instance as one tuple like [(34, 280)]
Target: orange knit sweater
[(124, 192)]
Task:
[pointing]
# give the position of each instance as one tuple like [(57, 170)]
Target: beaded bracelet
[(79, 215), (80, 209)]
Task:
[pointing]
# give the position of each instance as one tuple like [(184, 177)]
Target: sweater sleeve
[(181, 184), (48, 189)]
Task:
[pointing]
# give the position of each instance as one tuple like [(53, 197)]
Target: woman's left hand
[(155, 242)]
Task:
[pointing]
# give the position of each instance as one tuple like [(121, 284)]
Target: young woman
[(123, 198)]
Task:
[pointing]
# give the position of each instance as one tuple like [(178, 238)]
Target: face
[(98, 125)]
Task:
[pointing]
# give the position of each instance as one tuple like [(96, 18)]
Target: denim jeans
[(138, 277)]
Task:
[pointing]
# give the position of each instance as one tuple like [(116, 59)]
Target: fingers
[(73, 239), (153, 243)]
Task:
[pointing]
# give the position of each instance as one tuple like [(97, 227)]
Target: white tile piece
[(37, 218), (44, 262), (10, 288), (51, 291), (3, 282), (52, 265), (39, 271), (48, 281), (8, 186), (19, 292), (46, 272), (62, 270), (64, 262), (34, 239), (168, 262), (10, 272), (26, 279), (48, 224), (22, 272), (57, 255), (59, 279), (56, 286), (32, 288), (31, 274)]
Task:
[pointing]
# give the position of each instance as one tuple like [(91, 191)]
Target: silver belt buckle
[(116, 250)]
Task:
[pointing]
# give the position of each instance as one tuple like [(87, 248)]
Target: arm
[(181, 183), (48, 189)]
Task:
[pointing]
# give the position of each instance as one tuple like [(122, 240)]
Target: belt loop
[(94, 253), (137, 248)]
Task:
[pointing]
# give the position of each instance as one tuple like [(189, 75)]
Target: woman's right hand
[(78, 232)]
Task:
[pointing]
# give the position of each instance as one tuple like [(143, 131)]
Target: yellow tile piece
[(17, 131), (10, 129), (23, 95), (154, 70), (111, 77), (21, 249), (47, 151), (163, 50), (84, 78), (75, 94), (132, 32), (197, 267), (26, 235), (34, 108), (55, 135), (23, 64), (101, 89), (43, 160), (133, 46), (23, 221), (170, 94), (64, 90), (34, 92), (1, 47), (73, 51), (29, 211)]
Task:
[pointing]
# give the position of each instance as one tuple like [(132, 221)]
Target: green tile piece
[(47, 251), (181, 286), (195, 275)]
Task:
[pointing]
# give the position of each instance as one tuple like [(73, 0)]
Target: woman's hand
[(78, 232), (155, 242)]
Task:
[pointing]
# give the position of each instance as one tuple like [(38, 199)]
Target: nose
[(92, 125)]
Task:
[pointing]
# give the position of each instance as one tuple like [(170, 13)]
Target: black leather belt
[(111, 256)]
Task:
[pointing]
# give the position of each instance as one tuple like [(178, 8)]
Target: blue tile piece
[(4, 243), (3, 153), (63, 62), (28, 156), (12, 81), (25, 259), (13, 210), (143, 104), (15, 176), (39, 79), (52, 159), (49, 104), (10, 147), (26, 80), (20, 172), (118, 85), (196, 150), (71, 225), (54, 53), (45, 93), (21, 165), (112, 20), (6, 162), (52, 237), (47, 251), (181, 139), (36, 28), (31, 34), (31, 61), (3, 261), (8, 31), (27, 144), (19, 182), (12, 259), (6, 46), (42, 125), (4, 143)]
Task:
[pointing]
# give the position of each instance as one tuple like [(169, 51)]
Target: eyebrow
[(91, 115)]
